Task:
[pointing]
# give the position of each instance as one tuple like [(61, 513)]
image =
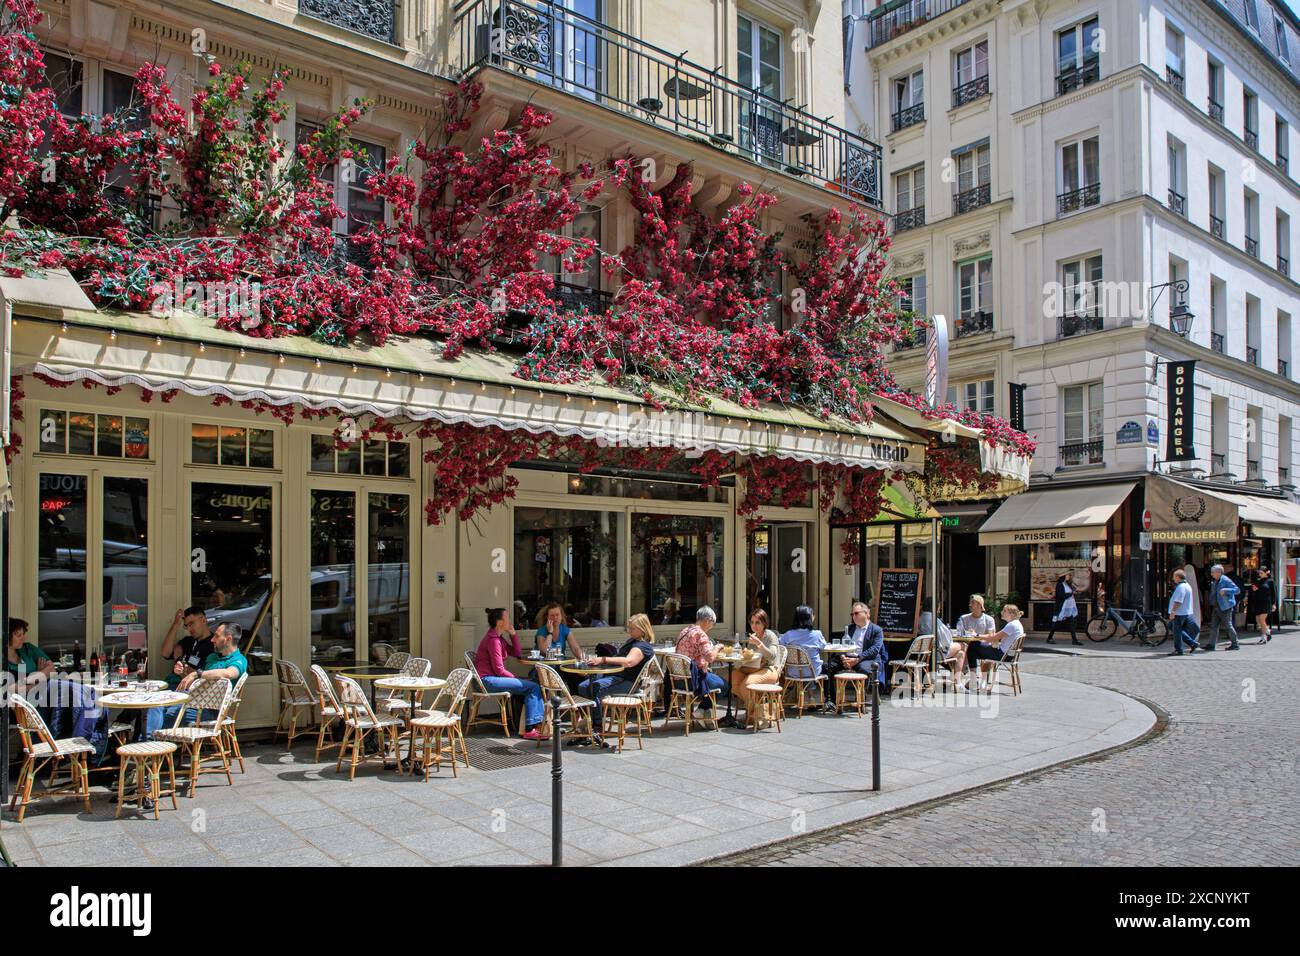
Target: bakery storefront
[(1032, 538)]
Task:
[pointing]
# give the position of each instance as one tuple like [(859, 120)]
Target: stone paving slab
[(686, 799)]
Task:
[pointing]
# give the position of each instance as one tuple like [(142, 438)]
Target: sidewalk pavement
[(1036, 643), (680, 800)]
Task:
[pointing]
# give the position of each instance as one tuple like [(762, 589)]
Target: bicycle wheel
[(1100, 628), (1157, 631)]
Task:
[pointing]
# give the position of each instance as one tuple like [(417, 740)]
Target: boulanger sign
[(1181, 378), (1184, 513)]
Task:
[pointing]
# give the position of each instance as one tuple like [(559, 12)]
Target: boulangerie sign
[(1180, 381)]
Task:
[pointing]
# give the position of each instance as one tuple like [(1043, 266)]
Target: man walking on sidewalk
[(1223, 598), (1180, 615)]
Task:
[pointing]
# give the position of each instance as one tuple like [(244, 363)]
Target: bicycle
[(1151, 628)]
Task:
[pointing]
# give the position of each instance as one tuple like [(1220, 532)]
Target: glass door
[(388, 569), (576, 31), (232, 560), (333, 577), (778, 571), (92, 551)]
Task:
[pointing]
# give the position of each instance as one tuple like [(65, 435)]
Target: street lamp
[(1180, 316)]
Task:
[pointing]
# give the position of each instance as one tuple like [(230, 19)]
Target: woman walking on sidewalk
[(1066, 609), (1263, 602)]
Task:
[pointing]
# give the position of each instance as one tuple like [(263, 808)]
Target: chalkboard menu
[(898, 600)]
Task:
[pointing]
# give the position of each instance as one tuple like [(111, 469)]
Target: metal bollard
[(875, 734), (557, 786)]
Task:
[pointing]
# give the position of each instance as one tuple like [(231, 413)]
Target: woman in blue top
[(803, 635), (555, 634)]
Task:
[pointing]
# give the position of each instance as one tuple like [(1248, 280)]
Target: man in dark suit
[(871, 655)]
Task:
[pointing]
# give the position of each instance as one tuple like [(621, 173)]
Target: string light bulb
[(318, 363), (112, 335), (63, 327), (202, 347), (281, 358)]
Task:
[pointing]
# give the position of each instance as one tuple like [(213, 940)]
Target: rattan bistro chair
[(395, 702), (229, 738), (681, 701), (395, 659), (916, 664), (479, 693), (1010, 661), (204, 695), (330, 709), (39, 749), (578, 709), (295, 697), (445, 712), (799, 676), (359, 721), (649, 689)]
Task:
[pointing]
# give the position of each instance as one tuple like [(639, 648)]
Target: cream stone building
[(130, 509), (1089, 191)]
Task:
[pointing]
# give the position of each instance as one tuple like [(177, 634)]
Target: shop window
[(572, 558), (677, 566), (232, 445), (86, 433), (378, 457)]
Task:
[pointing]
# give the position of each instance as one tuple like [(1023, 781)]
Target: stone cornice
[(933, 31)]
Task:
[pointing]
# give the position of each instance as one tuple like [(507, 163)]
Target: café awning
[(408, 378), (1049, 515), (1268, 516)]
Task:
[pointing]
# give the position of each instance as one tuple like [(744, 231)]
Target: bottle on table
[(94, 662)]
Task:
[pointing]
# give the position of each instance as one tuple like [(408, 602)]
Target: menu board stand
[(898, 600)]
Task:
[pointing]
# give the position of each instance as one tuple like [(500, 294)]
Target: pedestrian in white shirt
[(1180, 616)]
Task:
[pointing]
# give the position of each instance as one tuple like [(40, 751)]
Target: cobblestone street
[(1218, 786)]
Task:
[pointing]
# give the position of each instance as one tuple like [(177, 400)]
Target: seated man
[(693, 642), (870, 641), (226, 661), (192, 649), (1012, 630)]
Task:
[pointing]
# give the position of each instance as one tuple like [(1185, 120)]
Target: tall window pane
[(61, 575), (677, 564), (126, 569), (333, 577), (569, 557), (388, 558)]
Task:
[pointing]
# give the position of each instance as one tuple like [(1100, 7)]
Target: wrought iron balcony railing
[(1284, 164), (1217, 228), (1218, 342), (1216, 110), (1077, 199), (1175, 80), (1252, 138), (1252, 355), (1283, 368), (571, 296), (909, 219), (970, 92), (914, 341), (1252, 246), (372, 18), (1077, 75), (1082, 453), (894, 19), (910, 116), (973, 323), (971, 199), (1080, 322), (1283, 265), (1252, 468), (1218, 461), (553, 46), (1178, 203)]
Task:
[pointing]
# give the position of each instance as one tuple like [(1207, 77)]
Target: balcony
[(1178, 203), (1217, 227), (909, 219), (1283, 368), (894, 19), (1283, 265), (914, 341), (1080, 322), (1175, 80), (555, 47), (1077, 199), (1283, 164), (1075, 76), (970, 92), (911, 116), (1252, 138), (971, 199), (572, 297), (1216, 111), (1252, 355), (1218, 343), (973, 323), (1252, 469), (1082, 453), (373, 18), (1218, 462), (1252, 247)]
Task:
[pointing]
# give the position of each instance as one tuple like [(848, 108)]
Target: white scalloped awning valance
[(408, 378)]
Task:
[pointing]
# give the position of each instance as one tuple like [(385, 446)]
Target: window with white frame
[(1077, 45), (1081, 285), (350, 180), (1279, 36), (1174, 45), (1078, 174), (977, 396), (65, 76), (1177, 169), (974, 167), (909, 91), (1214, 76), (911, 294), (909, 189), (1250, 117), (974, 288), (1083, 419), (970, 73), (1252, 14)]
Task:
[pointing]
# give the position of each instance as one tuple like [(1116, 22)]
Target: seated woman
[(554, 633), (490, 662), (634, 653), (804, 635), (987, 650), (765, 670), (694, 642), (27, 665)]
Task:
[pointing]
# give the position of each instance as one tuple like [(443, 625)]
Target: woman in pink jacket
[(490, 662)]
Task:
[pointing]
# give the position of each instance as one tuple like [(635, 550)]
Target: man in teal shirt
[(226, 660)]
